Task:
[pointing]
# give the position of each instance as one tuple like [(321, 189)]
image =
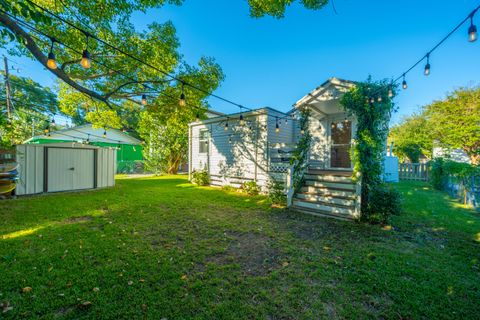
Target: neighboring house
[(129, 149), (457, 155), (259, 149)]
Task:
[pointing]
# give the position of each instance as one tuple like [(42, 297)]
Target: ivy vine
[(299, 159), (370, 104)]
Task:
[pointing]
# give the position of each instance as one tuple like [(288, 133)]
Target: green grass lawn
[(160, 248)]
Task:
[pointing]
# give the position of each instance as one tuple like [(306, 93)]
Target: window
[(203, 141)]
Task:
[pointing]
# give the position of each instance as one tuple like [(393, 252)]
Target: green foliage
[(456, 121), (412, 137), (164, 125), (383, 202), (276, 8), (443, 170), (251, 188), (299, 158), (436, 174), (369, 145), (32, 103), (200, 178), (276, 193), (229, 188)]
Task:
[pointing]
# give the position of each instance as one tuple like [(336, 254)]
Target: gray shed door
[(70, 169)]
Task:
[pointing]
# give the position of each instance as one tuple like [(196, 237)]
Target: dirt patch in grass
[(252, 251), (77, 219)]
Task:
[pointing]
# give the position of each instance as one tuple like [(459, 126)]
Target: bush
[(276, 193), (437, 176), (383, 202), (251, 188), (200, 178)]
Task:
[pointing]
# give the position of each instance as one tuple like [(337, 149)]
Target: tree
[(32, 106), (164, 125), (276, 8), (412, 138), (455, 121)]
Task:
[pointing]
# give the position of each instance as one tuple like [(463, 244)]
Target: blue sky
[(271, 62)]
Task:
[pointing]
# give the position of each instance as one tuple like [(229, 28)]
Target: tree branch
[(38, 54)]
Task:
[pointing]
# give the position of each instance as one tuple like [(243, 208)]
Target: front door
[(341, 137)]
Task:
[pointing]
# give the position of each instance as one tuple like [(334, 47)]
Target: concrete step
[(328, 191), (328, 178), (342, 201), (319, 213), (324, 207), (333, 185)]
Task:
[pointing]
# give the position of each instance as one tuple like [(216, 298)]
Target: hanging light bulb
[(85, 62), (104, 133), (197, 117), (472, 31), (225, 128), (286, 120), (230, 139), (182, 101), (372, 100), (53, 121), (404, 83), (144, 100), (379, 99), (427, 66), (51, 62), (302, 132), (242, 121), (88, 139), (47, 130), (277, 127), (390, 93)]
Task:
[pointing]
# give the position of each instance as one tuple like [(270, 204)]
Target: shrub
[(200, 178), (276, 193), (383, 202), (251, 188), (229, 188), (437, 176)]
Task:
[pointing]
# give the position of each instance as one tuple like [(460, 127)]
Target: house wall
[(232, 163)]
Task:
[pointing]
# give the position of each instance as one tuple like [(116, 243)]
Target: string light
[(404, 83), (379, 99), (85, 62), (472, 30), (427, 66), (390, 93), (242, 121), (182, 101), (372, 100), (51, 62), (104, 133), (47, 130), (230, 139), (197, 117), (277, 127), (144, 100), (225, 128), (88, 138), (53, 121)]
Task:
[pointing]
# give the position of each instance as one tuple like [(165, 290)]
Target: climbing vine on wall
[(299, 158), (370, 103)]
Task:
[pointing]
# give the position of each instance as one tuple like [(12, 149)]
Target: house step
[(328, 178), (324, 207), (327, 191), (325, 214), (331, 185), (320, 171), (343, 201)]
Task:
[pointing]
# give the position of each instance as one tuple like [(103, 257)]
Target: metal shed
[(70, 166)]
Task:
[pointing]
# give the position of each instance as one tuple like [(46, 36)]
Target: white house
[(257, 145)]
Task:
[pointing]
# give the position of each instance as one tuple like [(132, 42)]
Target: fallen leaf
[(285, 264), (86, 304), (387, 228), (27, 289), (184, 277), (50, 269), (142, 280), (96, 289), (5, 307), (130, 282)]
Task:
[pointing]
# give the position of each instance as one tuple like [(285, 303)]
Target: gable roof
[(340, 84), (86, 131)]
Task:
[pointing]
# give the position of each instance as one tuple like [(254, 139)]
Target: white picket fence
[(413, 171)]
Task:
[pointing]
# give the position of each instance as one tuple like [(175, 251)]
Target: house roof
[(86, 131), (332, 83)]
